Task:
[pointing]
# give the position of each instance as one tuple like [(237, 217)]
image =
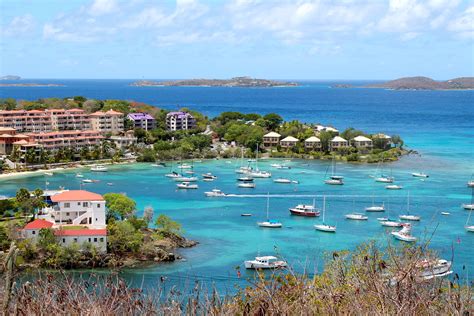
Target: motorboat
[(275, 165), (250, 185), (325, 227), (189, 172), (88, 181), (404, 234), (214, 193), (430, 269), (420, 175), (357, 217), (185, 166), (245, 179), (185, 179), (468, 207), (408, 216), (173, 175), (110, 184), (99, 168), (382, 218), (269, 223), (470, 184), (266, 262), (305, 210), (282, 180), (246, 214), (283, 167), (186, 185), (384, 179), (209, 176), (207, 179), (445, 213), (375, 208), (393, 187), (390, 223)]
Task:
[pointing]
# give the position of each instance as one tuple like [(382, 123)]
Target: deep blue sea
[(438, 124)]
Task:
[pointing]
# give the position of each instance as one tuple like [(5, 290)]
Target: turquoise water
[(226, 238)]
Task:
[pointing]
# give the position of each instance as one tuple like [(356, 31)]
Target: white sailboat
[(325, 227), (356, 216), (467, 227), (387, 222), (408, 216), (242, 169), (375, 208), (282, 180), (257, 173), (420, 175), (393, 187), (470, 183), (470, 207), (384, 178), (334, 179), (269, 223)]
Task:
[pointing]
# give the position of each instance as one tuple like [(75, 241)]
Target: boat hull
[(402, 237), (325, 228), (304, 213)]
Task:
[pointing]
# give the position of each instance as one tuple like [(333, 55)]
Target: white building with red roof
[(31, 230), (95, 237)]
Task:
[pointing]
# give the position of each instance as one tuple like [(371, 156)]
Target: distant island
[(10, 77), (244, 82), (31, 85), (425, 83)]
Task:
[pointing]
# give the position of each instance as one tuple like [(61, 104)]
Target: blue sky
[(325, 39)]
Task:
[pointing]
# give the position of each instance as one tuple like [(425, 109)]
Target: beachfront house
[(362, 142), (142, 120), (288, 142), (176, 121), (271, 139), (338, 143), (312, 143)]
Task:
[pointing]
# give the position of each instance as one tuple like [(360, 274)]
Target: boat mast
[(324, 207), (268, 205), (408, 202)]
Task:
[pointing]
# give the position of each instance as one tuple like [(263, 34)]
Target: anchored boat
[(269, 223), (266, 262), (325, 227), (305, 210)]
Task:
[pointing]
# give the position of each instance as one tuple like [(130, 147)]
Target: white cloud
[(409, 36), (19, 25), (463, 25), (101, 7)]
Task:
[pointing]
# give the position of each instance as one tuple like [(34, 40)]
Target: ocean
[(439, 125)]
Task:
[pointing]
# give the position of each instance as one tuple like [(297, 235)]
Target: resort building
[(67, 211), (124, 141), (66, 139), (338, 143), (176, 121), (362, 142), (142, 120), (36, 121), (9, 138), (110, 122), (271, 139), (312, 143), (288, 142)]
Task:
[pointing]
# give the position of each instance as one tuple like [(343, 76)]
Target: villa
[(75, 216), (176, 121), (142, 120), (271, 139), (312, 143), (289, 142), (338, 143), (362, 142), (383, 139)]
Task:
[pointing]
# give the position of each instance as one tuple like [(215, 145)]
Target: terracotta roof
[(112, 112), (77, 195), (38, 224), (98, 113), (80, 232), (20, 142)]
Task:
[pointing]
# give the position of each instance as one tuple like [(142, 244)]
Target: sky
[(299, 39)]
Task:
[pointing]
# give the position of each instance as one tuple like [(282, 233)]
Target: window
[(67, 214), (101, 239), (64, 240), (67, 205), (33, 232), (75, 239), (98, 205), (89, 240), (79, 203), (84, 204), (95, 239)]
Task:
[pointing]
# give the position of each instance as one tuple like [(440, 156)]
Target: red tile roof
[(81, 232), (76, 195), (38, 224)]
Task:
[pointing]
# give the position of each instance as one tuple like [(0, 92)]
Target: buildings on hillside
[(75, 216), (176, 121), (109, 122), (142, 120), (271, 139)]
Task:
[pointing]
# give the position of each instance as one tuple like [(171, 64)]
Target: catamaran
[(305, 210), (269, 223), (334, 179), (266, 262), (408, 216), (404, 234), (325, 227)]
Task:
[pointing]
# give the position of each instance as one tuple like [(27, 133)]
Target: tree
[(46, 238), (122, 237), (8, 104), (119, 205), (274, 120), (397, 141), (22, 195), (167, 225), (148, 214)]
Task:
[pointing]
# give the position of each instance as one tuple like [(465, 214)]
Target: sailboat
[(259, 173), (269, 223), (334, 179), (467, 227), (470, 207), (242, 169), (408, 216), (172, 174), (387, 222), (325, 227), (375, 208), (384, 178)]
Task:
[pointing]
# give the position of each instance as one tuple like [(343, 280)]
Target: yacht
[(390, 223), (186, 185), (185, 179), (468, 207), (99, 168), (375, 208), (325, 227), (269, 223), (305, 210), (214, 193), (173, 174), (393, 187), (470, 184), (88, 181), (408, 216), (430, 269), (445, 213), (384, 179), (79, 175), (249, 185), (334, 181), (209, 176), (357, 216), (266, 262), (245, 179), (420, 175), (282, 180), (404, 234)]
